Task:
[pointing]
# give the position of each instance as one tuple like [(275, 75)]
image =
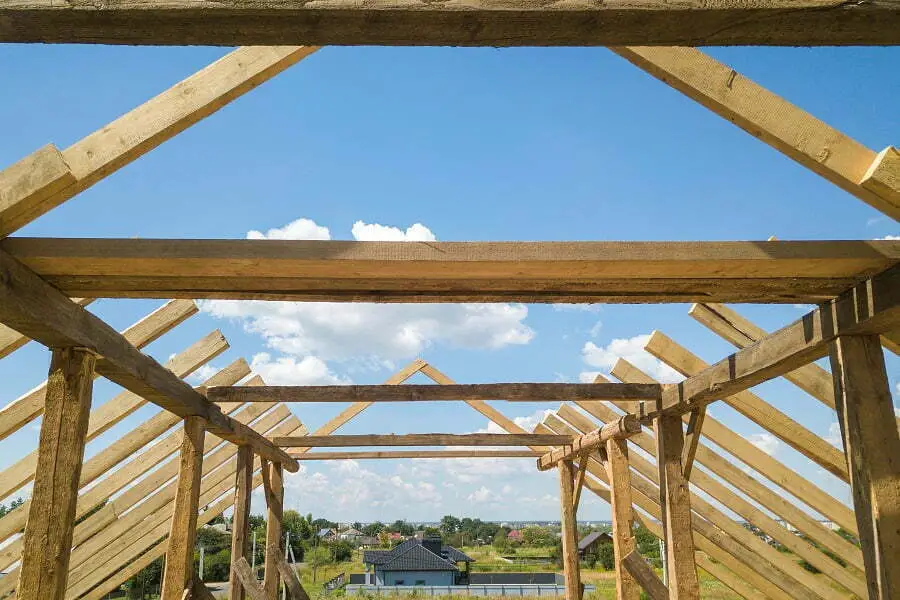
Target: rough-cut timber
[(33, 307), (11, 340), (44, 180), (569, 530), (623, 272), (248, 580), (47, 540), (240, 528), (394, 454), (624, 543), (510, 392), (865, 410), (421, 439), (622, 428), (273, 487), (473, 23), (645, 575)]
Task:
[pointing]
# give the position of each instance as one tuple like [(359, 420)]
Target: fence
[(334, 582), (523, 589)]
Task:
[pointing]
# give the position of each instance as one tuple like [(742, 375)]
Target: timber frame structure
[(233, 438)]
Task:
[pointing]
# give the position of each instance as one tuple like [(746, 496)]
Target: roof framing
[(420, 439), (475, 23)]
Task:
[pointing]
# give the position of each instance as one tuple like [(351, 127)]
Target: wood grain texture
[(273, 487), (416, 454), (47, 541), (11, 340), (643, 574), (633, 272), (240, 527), (621, 428), (248, 580), (47, 178), (865, 411), (420, 439), (883, 178), (622, 516), (179, 569), (510, 392), (768, 117), (473, 23), (291, 582), (569, 530), (33, 307)]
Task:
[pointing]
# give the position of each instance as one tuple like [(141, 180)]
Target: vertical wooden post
[(619, 474), (569, 530), (240, 526), (179, 570), (872, 445), (47, 542), (675, 499), (273, 482)]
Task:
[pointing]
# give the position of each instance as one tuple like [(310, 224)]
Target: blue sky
[(470, 144)]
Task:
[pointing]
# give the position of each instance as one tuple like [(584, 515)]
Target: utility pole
[(200, 566), (253, 557)]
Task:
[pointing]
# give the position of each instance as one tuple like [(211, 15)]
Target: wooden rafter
[(622, 428), (509, 392), (36, 309), (415, 454), (643, 574), (420, 439), (478, 23)]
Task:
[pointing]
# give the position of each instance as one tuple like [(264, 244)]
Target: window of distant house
[(420, 582), (398, 582)]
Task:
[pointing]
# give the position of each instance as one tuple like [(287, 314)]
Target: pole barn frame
[(230, 433)]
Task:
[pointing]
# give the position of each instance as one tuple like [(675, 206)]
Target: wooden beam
[(691, 440), (644, 575), (623, 428), (291, 582), (579, 485), (47, 540), (44, 180), (420, 439), (869, 308), (865, 414), (273, 486), (33, 307), (522, 23), (339, 271), (241, 521), (510, 392), (778, 123), (415, 454), (624, 544), (183, 530), (248, 580), (198, 590), (675, 500), (569, 528), (11, 340)]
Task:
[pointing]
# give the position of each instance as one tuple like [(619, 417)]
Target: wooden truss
[(92, 524)]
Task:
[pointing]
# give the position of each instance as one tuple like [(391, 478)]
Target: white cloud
[(632, 350), (373, 232), (889, 237), (301, 229), (766, 442), (203, 373), (588, 376), (483, 496), (286, 370), (834, 435)]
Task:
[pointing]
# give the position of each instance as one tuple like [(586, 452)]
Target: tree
[(402, 527), (373, 529), (606, 555), (538, 536), (432, 532), (450, 525), (318, 557)]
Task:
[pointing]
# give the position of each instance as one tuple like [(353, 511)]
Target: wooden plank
[(248, 580), (47, 178), (569, 529), (865, 411), (755, 408), (768, 117), (289, 576), (579, 485), (644, 575), (478, 23), (633, 272), (510, 392), (415, 454), (883, 177), (869, 308), (183, 531), (47, 540), (33, 307), (676, 503), (11, 340), (622, 516), (25, 409), (198, 590), (240, 526), (622, 428), (273, 487), (692, 439), (419, 439)]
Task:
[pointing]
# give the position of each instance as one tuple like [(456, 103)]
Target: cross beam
[(34, 308), (421, 439), (624, 428), (473, 23), (416, 454)]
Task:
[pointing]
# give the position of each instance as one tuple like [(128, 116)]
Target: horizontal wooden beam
[(870, 308), (510, 392), (623, 272), (34, 308), (421, 439), (474, 23), (401, 454), (623, 428)]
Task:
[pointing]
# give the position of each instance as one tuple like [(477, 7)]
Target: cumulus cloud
[(483, 495), (287, 370), (889, 237), (301, 229), (632, 350), (766, 442), (373, 232), (834, 435), (203, 373)]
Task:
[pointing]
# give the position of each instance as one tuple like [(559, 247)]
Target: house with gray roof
[(417, 562)]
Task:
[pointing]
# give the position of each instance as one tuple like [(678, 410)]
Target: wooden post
[(569, 530), (868, 426), (240, 526), (622, 518), (47, 541), (675, 499), (179, 570), (273, 484)]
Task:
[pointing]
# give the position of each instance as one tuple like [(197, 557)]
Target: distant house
[(351, 535), (589, 543), (514, 536), (417, 562), (326, 534)]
